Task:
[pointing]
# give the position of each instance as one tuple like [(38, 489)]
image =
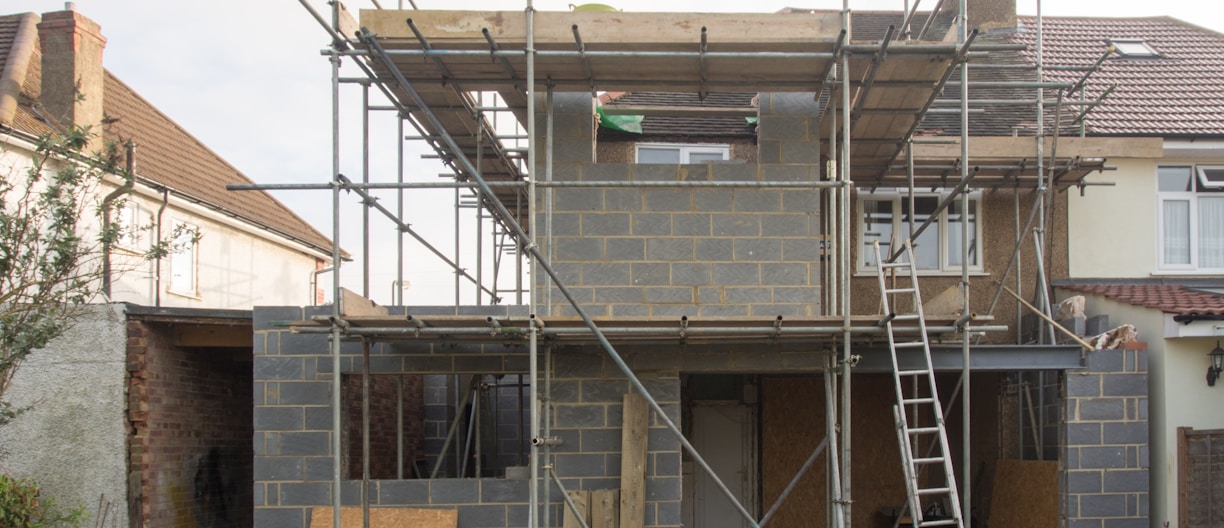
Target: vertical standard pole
[(843, 262), (546, 414), (966, 467), (399, 427), (399, 233), (365, 178), (458, 237), (480, 133), (533, 508), (335, 331), (365, 433), (548, 192), (830, 380)]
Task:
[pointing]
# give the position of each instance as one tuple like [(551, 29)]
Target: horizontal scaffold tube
[(516, 331)]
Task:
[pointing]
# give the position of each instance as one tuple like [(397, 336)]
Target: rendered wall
[(73, 439), (1103, 213)]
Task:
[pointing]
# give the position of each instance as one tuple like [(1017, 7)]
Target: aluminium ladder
[(907, 409)]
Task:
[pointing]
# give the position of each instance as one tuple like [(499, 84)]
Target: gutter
[(1190, 318)]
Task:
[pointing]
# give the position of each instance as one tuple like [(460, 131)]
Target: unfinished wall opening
[(720, 418)]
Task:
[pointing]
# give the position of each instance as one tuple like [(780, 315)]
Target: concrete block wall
[(1106, 441), (657, 251)]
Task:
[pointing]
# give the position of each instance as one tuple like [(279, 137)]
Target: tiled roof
[(1179, 93), (1168, 298), (166, 153), (687, 127)]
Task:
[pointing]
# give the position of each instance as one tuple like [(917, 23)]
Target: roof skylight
[(1132, 48)]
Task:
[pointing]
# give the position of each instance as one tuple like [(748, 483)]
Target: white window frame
[(1203, 189), (1133, 47), (130, 221), (900, 227), (185, 255), (686, 150)]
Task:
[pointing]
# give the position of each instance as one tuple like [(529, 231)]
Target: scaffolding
[(875, 96)]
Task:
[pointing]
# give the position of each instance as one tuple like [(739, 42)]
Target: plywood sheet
[(582, 501), (386, 518), (1025, 494), (633, 461)]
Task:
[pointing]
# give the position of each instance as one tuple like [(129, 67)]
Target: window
[(1191, 218), (131, 220), (1132, 48), (678, 154), (184, 259), (885, 216)]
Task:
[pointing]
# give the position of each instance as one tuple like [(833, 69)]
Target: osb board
[(1025, 494), (792, 422), (386, 518)]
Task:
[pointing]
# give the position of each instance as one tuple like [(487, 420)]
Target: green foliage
[(55, 240), (22, 505)]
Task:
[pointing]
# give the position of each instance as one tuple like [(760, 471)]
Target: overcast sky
[(246, 78)]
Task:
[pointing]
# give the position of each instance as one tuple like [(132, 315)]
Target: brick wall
[(189, 409), (384, 428), (1106, 441)]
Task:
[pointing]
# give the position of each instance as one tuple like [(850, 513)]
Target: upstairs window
[(681, 154), (184, 260), (885, 217), (1132, 48), (1191, 209)]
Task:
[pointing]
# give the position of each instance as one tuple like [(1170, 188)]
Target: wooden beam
[(1025, 147), (322, 517), (582, 500), (605, 509), (213, 336), (633, 461), (353, 304)]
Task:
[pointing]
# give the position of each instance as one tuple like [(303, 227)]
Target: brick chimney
[(71, 64), (992, 15)]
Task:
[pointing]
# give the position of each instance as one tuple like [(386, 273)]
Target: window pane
[(703, 157), (1211, 177), (1176, 232), (877, 225), (954, 233), (1174, 179), (658, 155), (926, 247), (1211, 232)]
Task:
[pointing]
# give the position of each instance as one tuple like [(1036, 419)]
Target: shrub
[(23, 506)]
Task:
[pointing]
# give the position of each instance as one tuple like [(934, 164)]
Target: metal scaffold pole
[(534, 506), (966, 465), (336, 262), (843, 260)]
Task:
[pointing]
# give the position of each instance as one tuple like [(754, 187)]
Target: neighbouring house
[(1149, 249), (706, 249), (144, 406)]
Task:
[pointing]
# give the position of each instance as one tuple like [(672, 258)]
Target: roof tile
[(1168, 298)]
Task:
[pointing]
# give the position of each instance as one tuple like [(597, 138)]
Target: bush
[(22, 506)]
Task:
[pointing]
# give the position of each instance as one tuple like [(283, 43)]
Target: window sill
[(1187, 273), (188, 295), (972, 273)]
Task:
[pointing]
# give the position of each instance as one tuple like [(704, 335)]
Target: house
[(729, 277), (1165, 273), (142, 409)]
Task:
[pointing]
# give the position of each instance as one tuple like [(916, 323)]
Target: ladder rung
[(923, 430), (908, 344), (933, 491), (889, 265), (906, 317), (911, 401), (940, 522), (913, 372), (891, 291), (932, 460)]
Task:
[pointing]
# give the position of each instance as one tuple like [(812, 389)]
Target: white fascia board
[(1202, 328), (1193, 148)]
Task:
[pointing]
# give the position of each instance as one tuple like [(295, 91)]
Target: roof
[(167, 155), (1178, 93), (1175, 299), (687, 127)]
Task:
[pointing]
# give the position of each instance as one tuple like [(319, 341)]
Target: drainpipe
[(157, 271), (128, 183)]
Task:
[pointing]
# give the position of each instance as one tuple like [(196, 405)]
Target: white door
[(725, 435)]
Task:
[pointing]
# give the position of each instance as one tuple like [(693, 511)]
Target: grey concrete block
[(1084, 481), (1101, 409), (775, 309), (663, 390), (301, 344), (709, 295), (1124, 385), (651, 224), (785, 173), (737, 225), (655, 172), (577, 364), (723, 310), (713, 200), (1083, 434), (305, 393), (625, 249), (1084, 523), (454, 491), (650, 273), (666, 464), (581, 465), (479, 364), (809, 295), (660, 438), (666, 295), (280, 517), (483, 516), (630, 310), (308, 443), (629, 294), (605, 224), (713, 249), (758, 249), (782, 127), (788, 103), (603, 391), (1125, 432), (571, 248), (691, 225), (670, 249), (757, 200), (318, 468), (278, 418), (667, 513), (784, 274), (667, 199), (579, 416), (662, 488), (258, 393), (749, 295), (626, 200), (405, 492), (606, 172), (563, 223), (805, 201), (1109, 457), (596, 440), (578, 199), (1135, 480), (1105, 361), (272, 317), (736, 273), (500, 490), (437, 364), (800, 152), (733, 172), (1136, 522), (1083, 384), (305, 493), (694, 172), (690, 274), (277, 468), (769, 151), (605, 274), (786, 225), (1107, 505), (674, 310)]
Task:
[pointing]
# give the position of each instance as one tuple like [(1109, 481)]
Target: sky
[(246, 77)]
